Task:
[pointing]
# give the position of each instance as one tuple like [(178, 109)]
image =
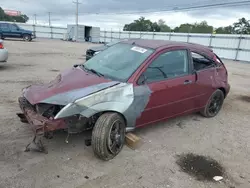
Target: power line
[(178, 9)]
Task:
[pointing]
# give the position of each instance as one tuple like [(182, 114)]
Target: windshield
[(118, 62)]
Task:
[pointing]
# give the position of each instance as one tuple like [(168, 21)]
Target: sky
[(111, 12)]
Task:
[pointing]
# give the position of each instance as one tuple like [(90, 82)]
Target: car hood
[(99, 48), (68, 86)]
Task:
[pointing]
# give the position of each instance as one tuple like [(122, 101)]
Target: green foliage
[(242, 26), (4, 17), (225, 30), (142, 24)]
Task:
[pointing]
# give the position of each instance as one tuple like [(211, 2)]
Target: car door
[(171, 82), (5, 30), (205, 69), (15, 32)]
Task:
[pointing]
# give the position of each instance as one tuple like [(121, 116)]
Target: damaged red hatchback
[(131, 84)]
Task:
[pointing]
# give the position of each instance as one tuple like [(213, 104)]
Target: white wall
[(235, 47)]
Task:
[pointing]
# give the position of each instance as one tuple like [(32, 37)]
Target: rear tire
[(108, 136), (214, 104), (27, 37), (1, 36)]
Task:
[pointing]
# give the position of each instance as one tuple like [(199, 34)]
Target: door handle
[(187, 82)]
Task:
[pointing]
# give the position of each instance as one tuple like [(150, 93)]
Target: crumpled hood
[(67, 87)]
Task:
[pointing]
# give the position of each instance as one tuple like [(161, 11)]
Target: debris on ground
[(132, 141), (54, 70), (218, 178), (202, 167), (180, 125), (86, 177)]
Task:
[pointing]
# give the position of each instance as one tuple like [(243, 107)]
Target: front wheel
[(27, 38), (108, 136), (214, 104)]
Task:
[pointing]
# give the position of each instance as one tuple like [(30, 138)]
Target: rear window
[(4, 26)]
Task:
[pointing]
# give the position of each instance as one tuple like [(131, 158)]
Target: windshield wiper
[(95, 72), (92, 70)]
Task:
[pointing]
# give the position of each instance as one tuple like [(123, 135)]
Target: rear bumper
[(39, 123), (3, 55)]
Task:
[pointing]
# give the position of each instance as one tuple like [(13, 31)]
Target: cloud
[(64, 12)]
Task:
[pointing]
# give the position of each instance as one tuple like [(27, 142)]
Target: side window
[(200, 62), (13, 27), (168, 65), (4, 26)]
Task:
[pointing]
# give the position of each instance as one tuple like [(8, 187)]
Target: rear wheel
[(1, 36), (214, 104), (27, 37), (108, 136)]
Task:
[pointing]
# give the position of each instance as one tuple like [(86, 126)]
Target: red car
[(131, 84)]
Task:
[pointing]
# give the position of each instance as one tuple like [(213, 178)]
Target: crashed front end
[(40, 116), (77, 110)]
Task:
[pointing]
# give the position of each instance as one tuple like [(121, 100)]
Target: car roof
[(155, 44)]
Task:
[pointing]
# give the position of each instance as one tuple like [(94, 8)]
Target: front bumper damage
[(41, 125)]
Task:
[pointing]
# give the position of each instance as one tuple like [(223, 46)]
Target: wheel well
[(223, 90), (25, 34), (103, 112)]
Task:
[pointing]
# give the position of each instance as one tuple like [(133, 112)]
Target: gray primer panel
[(123, 98)]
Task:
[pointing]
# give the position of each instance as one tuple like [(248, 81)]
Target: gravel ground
[(225, 138)]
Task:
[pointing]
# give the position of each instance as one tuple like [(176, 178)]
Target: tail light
[(1, 46)]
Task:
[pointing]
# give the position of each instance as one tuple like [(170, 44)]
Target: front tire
[(27, 38), (214, 104), (108, 136)]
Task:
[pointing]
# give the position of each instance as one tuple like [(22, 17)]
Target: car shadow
[(20, 40), (5, 66)]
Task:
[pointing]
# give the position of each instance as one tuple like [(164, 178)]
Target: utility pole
[(51, 34), (34, 18), (77, 5), (49, 19)]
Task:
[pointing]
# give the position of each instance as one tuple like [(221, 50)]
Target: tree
[(201, 27), (163, 26), (4, 17), (242, 26), (184, 28), (225, 30), (143, 24)]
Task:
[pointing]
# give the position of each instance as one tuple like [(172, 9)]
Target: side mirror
[(142, 79)]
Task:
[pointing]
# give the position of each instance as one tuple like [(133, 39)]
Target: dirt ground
[(225, 138)]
